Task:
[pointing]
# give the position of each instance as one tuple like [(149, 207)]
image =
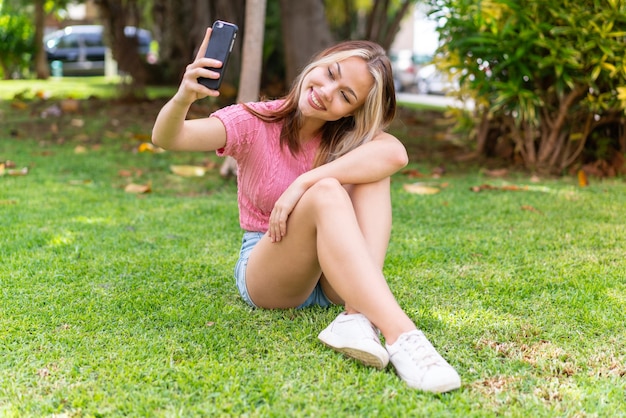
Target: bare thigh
[(283, 274)]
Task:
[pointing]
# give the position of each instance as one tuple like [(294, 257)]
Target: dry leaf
[(582, 179), (69, 105), (511, 187), (141, 137), (497, 172), (412, 173), (530, 208), (188, 170), (43, 95), (149, 147), (18, 104), (79, 182), (417, 188), (80, 149), (138, 188), (77, 123), (8, 202), (17, 172)]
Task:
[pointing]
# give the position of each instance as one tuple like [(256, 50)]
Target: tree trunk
[(116, 15), (179, 28), (305, 32), (382, 27), (41, 63), (252, 61)]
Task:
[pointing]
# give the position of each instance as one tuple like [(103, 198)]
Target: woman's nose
[(327, 91)]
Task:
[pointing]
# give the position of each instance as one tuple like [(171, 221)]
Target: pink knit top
[(264, 169)]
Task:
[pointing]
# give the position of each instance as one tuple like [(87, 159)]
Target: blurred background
[(153, 40)]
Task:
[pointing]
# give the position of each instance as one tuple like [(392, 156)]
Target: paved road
[(432, 100)]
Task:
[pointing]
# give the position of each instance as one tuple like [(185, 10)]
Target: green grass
[(116, 304), (75, 87)]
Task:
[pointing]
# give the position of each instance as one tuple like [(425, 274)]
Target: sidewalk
[(433, 100)]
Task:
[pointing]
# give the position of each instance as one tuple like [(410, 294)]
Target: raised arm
[(172, 130)]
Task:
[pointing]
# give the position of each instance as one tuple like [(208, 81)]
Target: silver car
[(80, 49)]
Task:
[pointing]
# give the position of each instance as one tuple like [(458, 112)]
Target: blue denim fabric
[(250, 239)]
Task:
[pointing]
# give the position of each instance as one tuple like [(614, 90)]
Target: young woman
[(314, 200)]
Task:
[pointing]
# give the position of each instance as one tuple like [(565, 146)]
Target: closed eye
[(332, 77)]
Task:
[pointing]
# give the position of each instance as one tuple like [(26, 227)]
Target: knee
[(327, 192)]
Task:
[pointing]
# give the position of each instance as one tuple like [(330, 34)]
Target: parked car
[(405, 65), (431, 80), (80, 49)]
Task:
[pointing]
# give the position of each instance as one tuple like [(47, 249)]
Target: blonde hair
[(343, 135)]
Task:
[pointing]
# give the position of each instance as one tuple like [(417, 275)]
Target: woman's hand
[(282, 209), (190, 90)]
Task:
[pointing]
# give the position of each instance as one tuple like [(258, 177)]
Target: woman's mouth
[(315, 101)]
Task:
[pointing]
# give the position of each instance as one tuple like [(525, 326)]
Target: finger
[(274, 235), (204, 44)]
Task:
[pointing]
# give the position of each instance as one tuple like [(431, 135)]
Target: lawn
[(118, 300)]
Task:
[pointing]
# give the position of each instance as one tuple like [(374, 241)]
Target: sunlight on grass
[(118, 304), (72, 87)]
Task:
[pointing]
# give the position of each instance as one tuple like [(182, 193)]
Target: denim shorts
[(250, 239)]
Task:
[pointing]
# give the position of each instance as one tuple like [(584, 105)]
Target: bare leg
[(324, 234), (372, 207)]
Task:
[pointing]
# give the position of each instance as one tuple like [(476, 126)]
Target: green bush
[(16, 43), (545, 75)]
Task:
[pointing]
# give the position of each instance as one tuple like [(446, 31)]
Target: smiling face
[(332, 91)]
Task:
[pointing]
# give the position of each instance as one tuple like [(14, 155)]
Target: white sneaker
[(356, 337), (418, 363)]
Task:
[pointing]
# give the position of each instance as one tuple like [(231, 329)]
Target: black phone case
[(220, 45)]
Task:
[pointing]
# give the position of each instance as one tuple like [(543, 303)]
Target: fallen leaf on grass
[(582, 179), (149, 147), (138, 188), (130, 173), (80, 149), (188, 170), (9, 168), (69, 105), (501, 172), (8, 202), (4, 171), (484, 187), (417, 188), (531, 209), (80, 182), (141, 137), (18, 104), (43, 95), (77, 123), (412, 173)]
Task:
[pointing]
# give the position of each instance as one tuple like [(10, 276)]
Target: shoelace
[(421, 351)]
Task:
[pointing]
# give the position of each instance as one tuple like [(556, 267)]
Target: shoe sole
[(364, 357), (442, 388)]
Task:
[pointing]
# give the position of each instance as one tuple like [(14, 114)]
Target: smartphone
[(220, 46)]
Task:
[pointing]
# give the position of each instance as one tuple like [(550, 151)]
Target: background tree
[(377, 20), (179, 28), (42, 70), (16, 38), (546, 77), (252, 61), (305, 32)]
